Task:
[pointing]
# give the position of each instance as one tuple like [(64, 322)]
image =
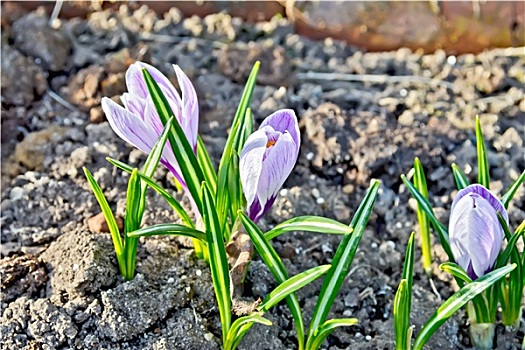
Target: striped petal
[(250, 165), (474, 229)]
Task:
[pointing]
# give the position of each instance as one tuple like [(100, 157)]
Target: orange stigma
[(270, 144)]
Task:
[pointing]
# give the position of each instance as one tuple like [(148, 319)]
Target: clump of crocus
[(475, 231), (267, 159), (478, 224), (139, 123), (252, 169)]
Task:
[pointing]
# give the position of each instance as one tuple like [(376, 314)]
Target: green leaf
[(457, 301), (131, 222), (341, 262), (512, 239), (234, 143), (173, 203), (401, 317), (223, 199), (479, 302), (507, 197), (234, 188), (483, 161), (247, 129), (403, 298), (151, 164), (276, 267), (438, 226), (110, 220), (456, 270), (459, 177), (218, 260), (291, 285), (328, 327), (511, 289), (408, 269), (420, 183), (206, 165), (189, 165), (169, 230), (236, 331), (309, 224)]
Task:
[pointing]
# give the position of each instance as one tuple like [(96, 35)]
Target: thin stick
[(433, 287), (374, 78), (61, 101), (177, 39), (55, 13)]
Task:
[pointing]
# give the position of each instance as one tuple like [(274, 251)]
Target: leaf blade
[(169, 230), (308, 224), (457, 301), (483, 161), (341, 262)]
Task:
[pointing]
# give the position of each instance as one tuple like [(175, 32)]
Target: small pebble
[(16, 193), (373, 245), (171, 280), (283, 192), (316, 193), (310, 156), (208, 336), (320, 200), (368, 338), (198, 273)]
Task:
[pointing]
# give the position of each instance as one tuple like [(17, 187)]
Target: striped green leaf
[(218, 260), (276, 266), (169, 230), (341, 263), (483, 160), (173, 203), (309, 224), (189, 165), (457, 301)]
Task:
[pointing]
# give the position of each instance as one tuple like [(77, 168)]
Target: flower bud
[(267, 159), (475, 231)]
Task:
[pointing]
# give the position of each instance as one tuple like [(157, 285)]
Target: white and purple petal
[(486, 194), (284, 120), (278, 165), (475, 232), (267, 159), (251, 163), (190, 106)]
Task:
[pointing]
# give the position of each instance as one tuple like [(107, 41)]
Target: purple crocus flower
[(138, 122), (475, 231), (267, 159)]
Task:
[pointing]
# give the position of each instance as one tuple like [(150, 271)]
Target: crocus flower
[(475, 231), (267, 159), (138, 122)]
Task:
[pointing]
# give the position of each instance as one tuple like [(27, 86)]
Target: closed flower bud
[(475, 231), (267, 159)]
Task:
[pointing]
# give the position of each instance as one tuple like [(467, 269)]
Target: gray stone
[(34, 37)]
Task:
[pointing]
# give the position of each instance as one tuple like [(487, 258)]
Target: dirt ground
[(363, 116)]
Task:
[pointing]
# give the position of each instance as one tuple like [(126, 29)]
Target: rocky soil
[(362, 116)]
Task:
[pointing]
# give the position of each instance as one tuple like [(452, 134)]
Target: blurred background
[(457, 27)]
